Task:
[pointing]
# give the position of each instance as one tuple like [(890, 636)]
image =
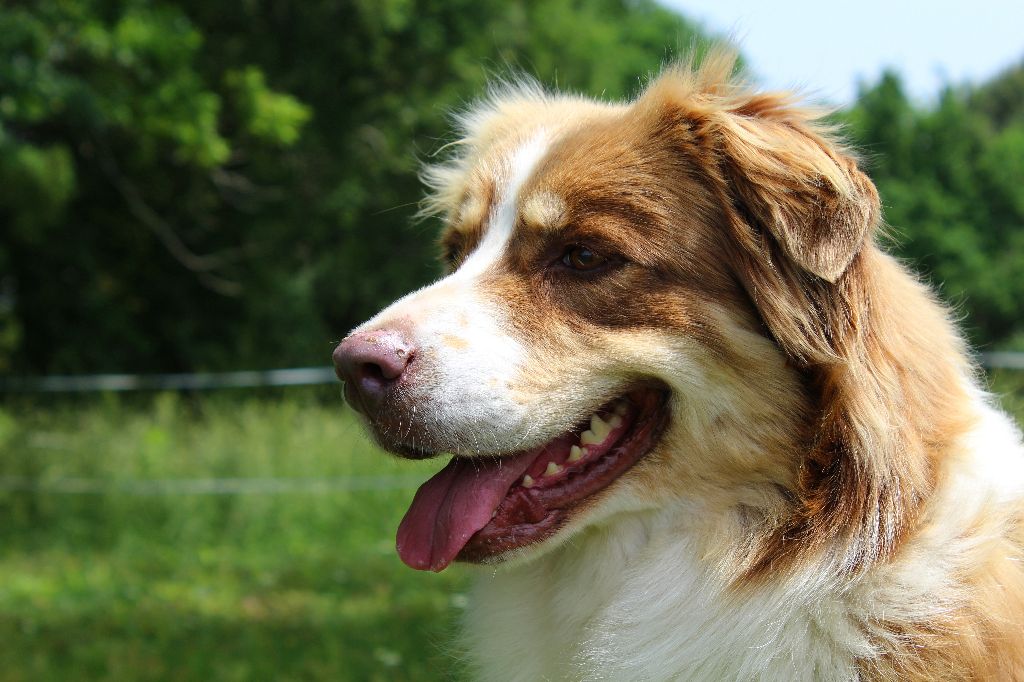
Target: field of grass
[(107, 574), (114, 579)]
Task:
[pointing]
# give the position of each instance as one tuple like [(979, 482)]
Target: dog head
[(637, 302)]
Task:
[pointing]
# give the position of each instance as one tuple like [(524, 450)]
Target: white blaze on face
[(502, 219), (467, 357)]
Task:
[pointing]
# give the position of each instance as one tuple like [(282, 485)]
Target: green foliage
[(42, 178), (175, 209), (269, 115), (949, 176), (1002, 99), (118, 167)]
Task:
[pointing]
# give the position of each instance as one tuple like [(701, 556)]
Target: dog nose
[(370, 363)]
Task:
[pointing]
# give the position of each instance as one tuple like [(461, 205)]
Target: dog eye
[(583, 258)]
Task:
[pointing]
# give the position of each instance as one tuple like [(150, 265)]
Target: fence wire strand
[(208, 486), (201, 381), (293, 376)]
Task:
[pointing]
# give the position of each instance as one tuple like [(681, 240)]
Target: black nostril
[(372, 371), (370, 377), (370, 363)]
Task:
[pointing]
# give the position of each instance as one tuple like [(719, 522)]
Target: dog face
[(621, 327)]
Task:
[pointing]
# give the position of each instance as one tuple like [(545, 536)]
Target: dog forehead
[(497, 222), (529, 186), (495, 178), (509, 147), (606, 172)]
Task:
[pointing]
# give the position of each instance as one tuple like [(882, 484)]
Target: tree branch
[(202, 265)]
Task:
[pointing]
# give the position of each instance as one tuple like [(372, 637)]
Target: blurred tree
[(118, 163), (169, 209), (1002, 99), (949, 176)]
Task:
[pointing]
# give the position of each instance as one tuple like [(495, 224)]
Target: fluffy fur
[(834, 497)]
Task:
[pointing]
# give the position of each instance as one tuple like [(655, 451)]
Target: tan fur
[(823, 403)]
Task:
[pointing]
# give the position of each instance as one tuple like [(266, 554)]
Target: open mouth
[(478, 508)]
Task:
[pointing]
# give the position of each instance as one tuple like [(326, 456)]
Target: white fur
[(502, 220), (633, 600), (636, 597), (998, 467)]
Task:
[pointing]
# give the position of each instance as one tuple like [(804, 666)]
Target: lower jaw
[(489, 546), (495, 542)]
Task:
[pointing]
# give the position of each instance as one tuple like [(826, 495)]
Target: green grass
[(291, 586), (119, 585)]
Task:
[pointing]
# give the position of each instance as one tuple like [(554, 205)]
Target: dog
[(702, 426)]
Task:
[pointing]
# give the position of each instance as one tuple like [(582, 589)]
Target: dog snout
[(371, 363)]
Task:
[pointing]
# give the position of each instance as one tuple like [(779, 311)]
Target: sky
[(825, 48)]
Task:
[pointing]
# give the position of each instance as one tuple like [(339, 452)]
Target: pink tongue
[(453, 505)]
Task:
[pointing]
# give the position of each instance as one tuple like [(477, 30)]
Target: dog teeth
[(527, 481), (553, 469), (575, 453), (598, 431), (600, 427), (615, 421)]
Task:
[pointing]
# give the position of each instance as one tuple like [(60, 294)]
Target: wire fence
[(200, 381), (208, 486), (1002, 360)]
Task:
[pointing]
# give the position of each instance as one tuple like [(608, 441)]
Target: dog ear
[(788, 179), (800, 215), (800, 218)]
